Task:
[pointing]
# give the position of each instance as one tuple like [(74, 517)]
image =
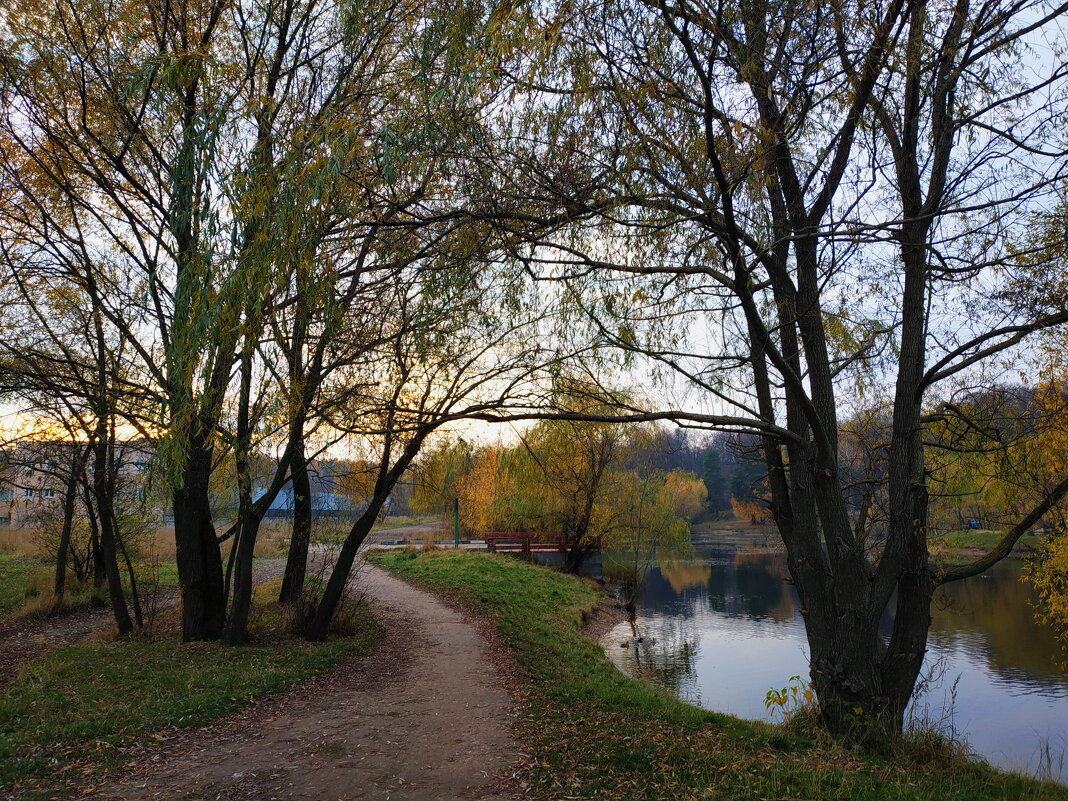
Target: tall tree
[(713, 477), (824, 195)]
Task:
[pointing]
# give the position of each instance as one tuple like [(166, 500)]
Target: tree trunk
[(70, 498), (236, 630), (135, 595), (95, 556), (103, 493), (248, 522), (200, 570), (297, 560), (863, 688), (575, 556), (316, 627)]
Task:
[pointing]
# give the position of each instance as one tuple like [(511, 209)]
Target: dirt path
[(415, 533), (423, 718)]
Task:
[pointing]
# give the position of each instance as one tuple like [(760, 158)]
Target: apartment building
[(34, 476)]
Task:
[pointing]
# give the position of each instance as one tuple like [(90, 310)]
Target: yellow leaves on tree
[(583, 480), (756, 513), (684, 493), (1048, 573)]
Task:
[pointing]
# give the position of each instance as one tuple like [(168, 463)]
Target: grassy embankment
[(965, 545), (962, 545), (65, 717), (594, 733)]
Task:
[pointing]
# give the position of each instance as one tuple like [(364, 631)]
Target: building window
[(27, 493), (5, 521), (5, 495), (48, 492)]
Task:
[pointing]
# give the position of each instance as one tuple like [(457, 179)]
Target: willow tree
[(119, 136), (804, 210), (217, 176)]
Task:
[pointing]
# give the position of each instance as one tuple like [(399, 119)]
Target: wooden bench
[(523, 542)]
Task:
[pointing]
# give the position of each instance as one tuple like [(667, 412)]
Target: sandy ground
[(426, 717)]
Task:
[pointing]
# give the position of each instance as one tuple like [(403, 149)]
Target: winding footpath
[(425, 717)]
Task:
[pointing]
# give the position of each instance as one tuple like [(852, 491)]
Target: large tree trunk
[(200, 570), (864, 686), (297, 560)]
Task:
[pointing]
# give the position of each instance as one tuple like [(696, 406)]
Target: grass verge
[(26, 587), (596, 734), (69, 712)]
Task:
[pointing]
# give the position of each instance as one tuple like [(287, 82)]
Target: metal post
[(456, 522)]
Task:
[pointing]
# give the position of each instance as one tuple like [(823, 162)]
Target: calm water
[(724, 628)]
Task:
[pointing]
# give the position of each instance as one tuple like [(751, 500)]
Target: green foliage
[(712, 474), (795, 697), (745, 478), (596, 734)]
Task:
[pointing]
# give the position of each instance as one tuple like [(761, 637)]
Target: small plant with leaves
[(792, 698)]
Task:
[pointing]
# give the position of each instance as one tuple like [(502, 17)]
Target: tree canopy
[(250, 233)]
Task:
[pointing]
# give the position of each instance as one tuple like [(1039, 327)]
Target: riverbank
[(968, 545), (947, 547), (593, 733)]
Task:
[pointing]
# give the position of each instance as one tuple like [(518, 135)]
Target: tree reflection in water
[(722, 628)]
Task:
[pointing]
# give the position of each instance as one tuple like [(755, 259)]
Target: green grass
[(69, 711), (14, 573), (962, 544), (26, 586), (596, 734)]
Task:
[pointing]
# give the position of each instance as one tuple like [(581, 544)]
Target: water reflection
[(721, 628)]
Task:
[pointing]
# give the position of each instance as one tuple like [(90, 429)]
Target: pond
[(721, 629)]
